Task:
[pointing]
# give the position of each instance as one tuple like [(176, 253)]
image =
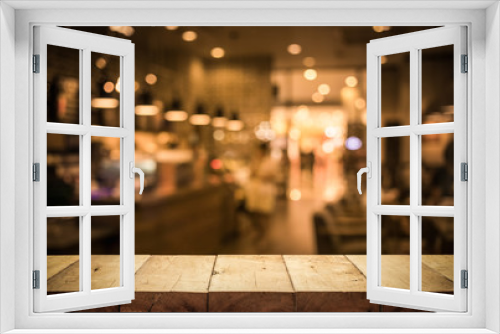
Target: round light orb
[(310, 74), (351, 81), (294, 49), (151, 79), (189, 36), (317, 97), (324, 89), (309, 61), (217, 52), (109, 87)]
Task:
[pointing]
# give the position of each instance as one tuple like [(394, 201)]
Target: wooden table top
[(251, 273)]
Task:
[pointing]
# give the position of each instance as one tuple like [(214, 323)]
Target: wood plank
[(105, 274), (251, 283), (310, 273), (172, 284), (57, 263), (327, 283), (395, 273), (167, 302), (175, 274), (443, 264)]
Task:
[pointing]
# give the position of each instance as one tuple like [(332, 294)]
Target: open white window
[(76, 135), (416, 213)]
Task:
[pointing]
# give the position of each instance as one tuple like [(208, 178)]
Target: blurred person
[(261, 189)]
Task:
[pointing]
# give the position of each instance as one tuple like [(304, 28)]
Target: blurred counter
[(192, 220)]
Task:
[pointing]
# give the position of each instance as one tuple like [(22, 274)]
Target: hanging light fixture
[(175, 113), (145, 106), (219, 120), (200, 117), (234, 123), (105, 99)]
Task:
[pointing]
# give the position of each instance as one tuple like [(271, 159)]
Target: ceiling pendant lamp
[(200, 117), (105, 99), (219, 120), (145, 106), (234, 123), (175, 113)]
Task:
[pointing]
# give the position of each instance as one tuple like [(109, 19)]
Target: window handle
[(141, 175), (368, 171)]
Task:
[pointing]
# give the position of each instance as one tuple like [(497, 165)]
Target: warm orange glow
[(234, 125), (295, 195), (151, 79), (381, 28), (219, 135), (360, 103), (317, 97), (310, 74), (351, 81), (171, 28), (324, 89), (294, 49), (295, 134), (104, 103), (101, 63), (146, 110), (309, 61), (189, 36), (125, 30), (217, 52), (199, 119), (328, 146), (108, 87), (383, 59), (219, 122), (176, 115), (216, 164)]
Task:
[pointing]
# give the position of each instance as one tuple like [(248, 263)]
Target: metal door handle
[(368, 171), (141, 175)]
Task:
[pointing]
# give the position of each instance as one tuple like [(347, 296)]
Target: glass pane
[(437, 254), (105, 171), (437, 169), (395, 261), (63, 249), (437, 84), (105, 89), (395, 170), (63, 82), (105, 248), (63, 170), (395, 95)]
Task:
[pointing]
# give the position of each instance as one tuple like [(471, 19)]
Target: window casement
[(83, 133), (414, 295)]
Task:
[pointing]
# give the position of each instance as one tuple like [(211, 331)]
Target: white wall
[(492, 166), (7, 159)]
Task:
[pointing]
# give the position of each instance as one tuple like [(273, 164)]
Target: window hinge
[(36, 172), (465, 279), (465, 64), (36, 63), (464, 171), (36, 279)]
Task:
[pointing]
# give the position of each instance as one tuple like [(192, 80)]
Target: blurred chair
[(340, 229)]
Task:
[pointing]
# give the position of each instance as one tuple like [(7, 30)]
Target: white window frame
[(483, 211), (413, 44), (85, 43)]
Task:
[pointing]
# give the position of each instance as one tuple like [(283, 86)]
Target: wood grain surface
[(250, 283)]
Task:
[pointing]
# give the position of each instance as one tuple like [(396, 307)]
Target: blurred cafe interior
[(250, 139)]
